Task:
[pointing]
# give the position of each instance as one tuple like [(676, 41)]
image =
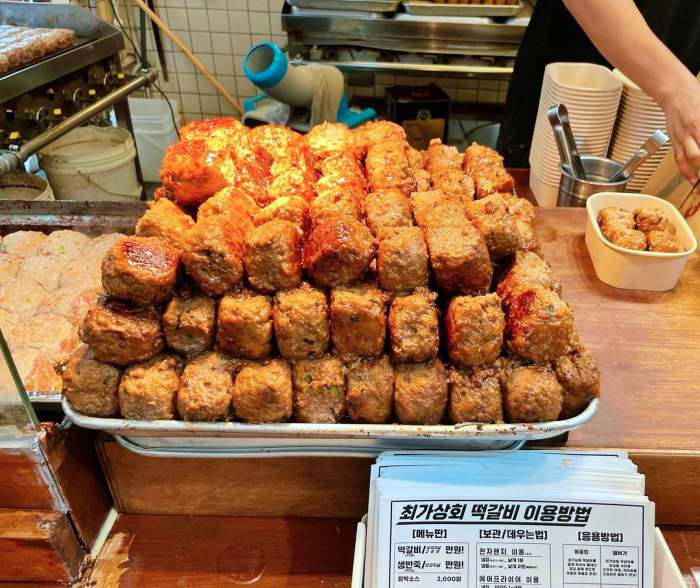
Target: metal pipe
[(13, 160)]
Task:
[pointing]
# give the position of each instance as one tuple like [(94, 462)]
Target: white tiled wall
[(220, 32)]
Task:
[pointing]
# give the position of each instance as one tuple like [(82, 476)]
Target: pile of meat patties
[(340, 275), (642, 230)]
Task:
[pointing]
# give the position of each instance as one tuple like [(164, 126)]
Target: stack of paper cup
[(638, 117), (591, 94)]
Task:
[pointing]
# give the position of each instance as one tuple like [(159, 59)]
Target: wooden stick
[(185, 49)]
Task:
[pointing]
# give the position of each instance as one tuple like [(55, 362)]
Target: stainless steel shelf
[(414, 69)]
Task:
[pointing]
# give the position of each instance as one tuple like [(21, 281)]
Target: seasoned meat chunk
[(388, 168), (475, 395), (455, 183), (527, 271), (193, 170), (244, 325), (627, 238), (379, 131), (206, 387), (414, 327), (402, 259), (231, 202), (388, 208), (491, 217), (22, 243), (141, 270), (273, 256), (614, 217), (459, 258), (531, 393), (166, 220), (486, 168), (341, 169), (91, 386), (319, 390), (148, 390), (288, 208), (330, 205), (579, 377), (416, 159), (440, 158), (9, 266), (225, 128), (189, 324), (423, 181), (328, 138), (301, 322), (122, 334), (263, 393), (540, 325), (663, 241), (523, 213), (474, 327), (420, 394), (370, 395), (358, 321), (294, 183), (338, 252), (424, 205), (213, 254), (653, 219)]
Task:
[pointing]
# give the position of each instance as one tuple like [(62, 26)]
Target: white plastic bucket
[(21, 186), (92, 163), (153, 132)]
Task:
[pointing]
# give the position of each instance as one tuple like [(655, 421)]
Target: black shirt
[(554, 35)]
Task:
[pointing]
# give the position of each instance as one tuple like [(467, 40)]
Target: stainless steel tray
[(180, 438), (361, 5), (439, 9)]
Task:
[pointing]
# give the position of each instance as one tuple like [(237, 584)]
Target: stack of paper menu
[(512, 519)]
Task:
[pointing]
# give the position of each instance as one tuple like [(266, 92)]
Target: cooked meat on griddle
[(262, 393)]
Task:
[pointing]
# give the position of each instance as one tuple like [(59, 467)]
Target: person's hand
[(683, 125)]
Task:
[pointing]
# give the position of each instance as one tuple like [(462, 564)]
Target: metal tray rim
[(423, 8), (134, 428)]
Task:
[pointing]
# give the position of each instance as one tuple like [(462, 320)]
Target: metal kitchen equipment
[(393, 33), (573, 191), (651, 146), (45, 99), (558, 116), (439, 9), (231, 439)]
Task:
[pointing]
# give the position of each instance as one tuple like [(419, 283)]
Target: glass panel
[(17, 417)]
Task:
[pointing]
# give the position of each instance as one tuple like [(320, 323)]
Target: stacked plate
[(639, 116), (592, 94)]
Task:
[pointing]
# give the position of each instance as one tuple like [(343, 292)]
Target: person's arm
[(619, 31)]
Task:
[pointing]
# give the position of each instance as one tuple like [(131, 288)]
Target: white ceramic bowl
[(636, 270)]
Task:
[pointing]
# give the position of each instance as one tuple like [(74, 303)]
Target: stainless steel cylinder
[(575, 192)]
